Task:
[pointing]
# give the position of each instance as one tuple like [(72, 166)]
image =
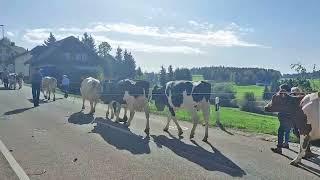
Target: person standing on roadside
[(65, 85), (285, 125), (36, 80)]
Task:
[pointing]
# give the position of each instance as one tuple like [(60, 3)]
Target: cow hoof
[(112, 117), (147, 131), (191, 136), (166, 129), (205, 139), (82, 107), (180, 133), (125, 119), (54, 99), (294, 163)]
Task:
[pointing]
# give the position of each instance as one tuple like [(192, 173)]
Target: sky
[(183, 33)]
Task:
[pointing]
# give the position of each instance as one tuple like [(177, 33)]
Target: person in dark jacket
[(285, 125), (36, 80)]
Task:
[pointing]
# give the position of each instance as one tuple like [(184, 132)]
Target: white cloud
[(149, 48), (36, 35), (9, 33), (202, 33)]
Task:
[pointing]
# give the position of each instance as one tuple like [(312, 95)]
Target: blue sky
[(184, 33)]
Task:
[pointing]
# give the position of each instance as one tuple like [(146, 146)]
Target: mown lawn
[(241, 90), (197, 77), (234, 118)]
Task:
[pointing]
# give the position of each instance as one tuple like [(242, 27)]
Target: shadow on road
[(43, 101), (17, 111), (224, 129), (81, 118), (305, 167), (121, 137), (212, 161)]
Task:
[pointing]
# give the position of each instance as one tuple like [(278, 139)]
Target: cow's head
[(159, 97), (283, 102)]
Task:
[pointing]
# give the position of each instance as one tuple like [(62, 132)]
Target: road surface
[(56, 141)]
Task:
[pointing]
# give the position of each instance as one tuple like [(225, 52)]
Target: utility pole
[(2, 27)]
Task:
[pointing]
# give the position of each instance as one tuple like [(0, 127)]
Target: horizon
[(264, 34)]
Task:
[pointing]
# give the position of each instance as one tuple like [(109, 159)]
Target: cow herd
[(192, 96), (135, 96)]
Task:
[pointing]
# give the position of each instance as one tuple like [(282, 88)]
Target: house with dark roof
[(68, 56)]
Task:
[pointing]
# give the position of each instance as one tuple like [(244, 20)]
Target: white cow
[(48, 86), (12, 80), (305, 116), (90, 90)]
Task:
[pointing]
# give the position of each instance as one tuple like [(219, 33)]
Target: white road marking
[(13, 163)]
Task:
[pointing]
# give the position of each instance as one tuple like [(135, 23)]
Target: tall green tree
[(104, 49), (170, 73), (139, 73), (128, 65), (88, 42), (163, 76), (182, 74), (51, 39)]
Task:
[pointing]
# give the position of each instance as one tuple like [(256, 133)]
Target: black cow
[(192, 96), (132, 95)]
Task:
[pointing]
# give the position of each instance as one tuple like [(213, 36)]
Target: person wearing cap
[(36, 79), (5, 78), (65, 85), (285, 125)]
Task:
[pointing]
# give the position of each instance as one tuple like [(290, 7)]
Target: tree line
[(241, 76)]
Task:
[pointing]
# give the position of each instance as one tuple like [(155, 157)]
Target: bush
[(226, 94), (248, 104)]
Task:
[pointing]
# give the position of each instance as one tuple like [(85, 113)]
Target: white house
[(19, 63)]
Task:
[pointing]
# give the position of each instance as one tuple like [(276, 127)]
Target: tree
[(128, 65), (163, 76), (88, 42), (170, 73), (182, 74), (104, 49), (139, 73), (266, 93), (51, 39)]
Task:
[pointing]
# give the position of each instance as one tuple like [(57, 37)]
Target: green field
[(234, 118), (315, 83), (197, 78), (241, 90)]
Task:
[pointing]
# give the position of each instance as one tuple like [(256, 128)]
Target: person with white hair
[(65, 85)]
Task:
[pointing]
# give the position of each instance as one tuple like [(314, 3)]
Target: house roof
[(11, 45), (70, 44)]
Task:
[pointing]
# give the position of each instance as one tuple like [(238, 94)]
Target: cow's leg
[(304, 142), (83, 100), (166, 128), (54, 95), (206, 117), (94, 106), (116, 109), (49, 95), (132, 112), (91, 107), (147, 112), (173, 116), (195, 119), (108, 110), (125, 117)]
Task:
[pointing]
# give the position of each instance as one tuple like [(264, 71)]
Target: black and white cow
[(132, 95), (192, 96)]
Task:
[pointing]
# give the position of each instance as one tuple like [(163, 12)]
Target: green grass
[(197, 78), (236, 119), (315, 84), (241, 90)]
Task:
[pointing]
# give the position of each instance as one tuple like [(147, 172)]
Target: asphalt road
[(56, 141)]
